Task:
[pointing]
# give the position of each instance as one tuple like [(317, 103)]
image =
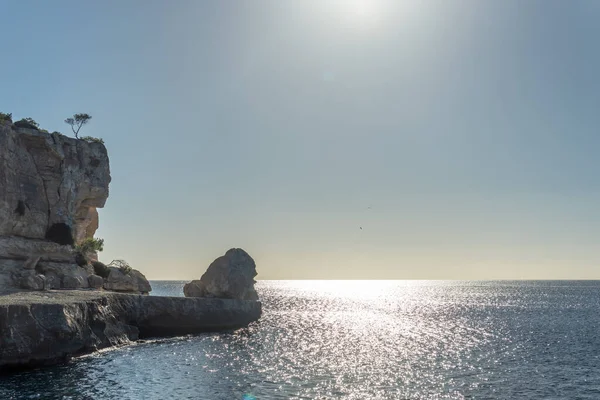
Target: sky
[(344, 139)]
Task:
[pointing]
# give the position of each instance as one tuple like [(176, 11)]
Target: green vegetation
[(100, 269), (28, 123), (6, 117), (86, 248), (81, 259), (91, 139), (122, 265), (77, 121), (90, 245)]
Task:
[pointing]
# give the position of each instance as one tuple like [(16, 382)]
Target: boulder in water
[(230, 276)]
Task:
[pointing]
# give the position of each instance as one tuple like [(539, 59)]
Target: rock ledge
[(44, 328)]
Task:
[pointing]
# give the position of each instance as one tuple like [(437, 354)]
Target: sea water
[(360, 340)]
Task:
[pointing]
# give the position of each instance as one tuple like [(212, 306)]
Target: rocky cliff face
[(50, 185), (42, 328), (50, 188)]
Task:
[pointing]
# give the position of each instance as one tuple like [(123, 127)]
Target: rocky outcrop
[(50, 188), (95, 281), (230, 277), (50, 185), (42, 328), (119, 280)]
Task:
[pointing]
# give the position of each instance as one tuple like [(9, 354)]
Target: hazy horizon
[(358, 139)]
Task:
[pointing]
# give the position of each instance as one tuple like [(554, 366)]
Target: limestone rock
[(63, 276), (50, 327), (20, 248), (132, 281), (50, 188), (95, 281), (33, 282), (195, 288), (50, 180), (72, 282), (31, 262), (230, 276)]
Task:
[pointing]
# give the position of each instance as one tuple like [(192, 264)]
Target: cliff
[(50, 185), (50, 188), (43, 328)]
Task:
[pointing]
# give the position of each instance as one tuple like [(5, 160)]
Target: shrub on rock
[(91, 139), (100, 269), (5, 117), (90, 245), (28, 123), (123, 266)]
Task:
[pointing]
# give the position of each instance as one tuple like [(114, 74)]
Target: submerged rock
[(230, 276)]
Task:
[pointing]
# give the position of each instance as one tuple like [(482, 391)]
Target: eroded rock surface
[(230, 276), (50, 188), (130, 281), (50, 184), (38, 328), (95, 281)]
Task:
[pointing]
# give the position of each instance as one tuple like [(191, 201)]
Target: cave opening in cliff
[(60, 233), (20, 210)]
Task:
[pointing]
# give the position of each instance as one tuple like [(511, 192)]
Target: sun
[(363, 8), (364, 12)]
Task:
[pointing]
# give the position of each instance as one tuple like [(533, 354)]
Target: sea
[(359, 340)]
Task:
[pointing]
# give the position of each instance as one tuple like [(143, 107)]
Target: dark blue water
[(361, 340)]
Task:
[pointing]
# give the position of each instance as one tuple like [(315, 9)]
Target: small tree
[(77, 121), (85, 249), (90, 245)]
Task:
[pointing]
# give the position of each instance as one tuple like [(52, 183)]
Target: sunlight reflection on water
[(361, 340)]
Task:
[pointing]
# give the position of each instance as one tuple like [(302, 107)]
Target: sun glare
[(371, 13), (364, 10), (362, 7)]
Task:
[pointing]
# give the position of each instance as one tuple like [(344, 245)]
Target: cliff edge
[(50, 188), (45, 328)]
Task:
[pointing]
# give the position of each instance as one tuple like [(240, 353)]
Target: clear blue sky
[(470, 129)]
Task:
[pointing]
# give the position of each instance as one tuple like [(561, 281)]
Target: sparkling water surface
[(360, 340)]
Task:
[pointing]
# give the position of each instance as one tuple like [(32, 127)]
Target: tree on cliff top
[(77, 121), (28, 123)]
